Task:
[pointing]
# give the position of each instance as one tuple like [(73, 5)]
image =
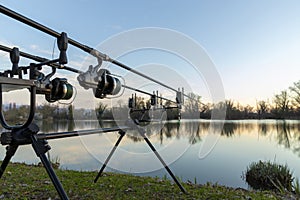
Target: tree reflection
[(71, 125), (288, 135), (52, 126), (195, 136), (229, 129), (262, 129), (283, 133), (170, 129)]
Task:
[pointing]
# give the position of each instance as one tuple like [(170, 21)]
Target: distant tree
[(205, 110), (262, 108), (48, 110), (295, 89), (172, 113), (100, 110), (281, 104), (218, 110), (229, 104), (192, 105), (248, 112), (16, 114)]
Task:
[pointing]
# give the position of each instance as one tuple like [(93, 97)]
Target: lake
[(194, 150)]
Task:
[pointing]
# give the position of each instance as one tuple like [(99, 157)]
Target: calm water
[(193, 149)]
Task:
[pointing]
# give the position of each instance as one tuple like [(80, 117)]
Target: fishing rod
[(77, 44), (94, 52), (64, 67)]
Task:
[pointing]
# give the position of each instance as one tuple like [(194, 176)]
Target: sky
[(254, 45)]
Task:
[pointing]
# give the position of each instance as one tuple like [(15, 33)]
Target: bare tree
[(229, 104), (295, 89), (100, 110), (262, 108), (247, 111), (281, 104), (193, 105)]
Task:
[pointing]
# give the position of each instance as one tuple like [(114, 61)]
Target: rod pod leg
[(122, 133), (10, 152), (162, 161), (41, 147)]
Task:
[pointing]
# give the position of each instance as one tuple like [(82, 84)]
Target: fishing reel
[(101, 81), (55, 89), (108, 85), (60, 89)]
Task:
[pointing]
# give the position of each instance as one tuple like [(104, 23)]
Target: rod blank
[(40, 59), (40, 27), (85, 48)]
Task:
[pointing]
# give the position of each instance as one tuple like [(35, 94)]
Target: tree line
[(46, 111), (283, 105)]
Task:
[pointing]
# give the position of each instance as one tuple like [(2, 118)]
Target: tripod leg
[(122, 133), (163, 162), (41, 147), (10, 152)]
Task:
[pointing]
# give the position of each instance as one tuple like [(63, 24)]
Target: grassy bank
[(22, 181)]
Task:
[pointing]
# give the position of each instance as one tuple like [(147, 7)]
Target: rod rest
[(19, 136)]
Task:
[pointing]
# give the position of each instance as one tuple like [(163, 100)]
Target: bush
[(269, 176)]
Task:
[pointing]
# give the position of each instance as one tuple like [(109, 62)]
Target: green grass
[(22, 181)]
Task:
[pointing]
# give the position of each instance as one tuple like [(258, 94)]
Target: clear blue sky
[(254, 44)]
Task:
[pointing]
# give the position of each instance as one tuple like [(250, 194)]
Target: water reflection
[(285, 132), (263, 129), (229, 129)]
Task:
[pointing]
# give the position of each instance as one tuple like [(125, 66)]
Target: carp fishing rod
[(64, 67), (94, 52), (77, 44)]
